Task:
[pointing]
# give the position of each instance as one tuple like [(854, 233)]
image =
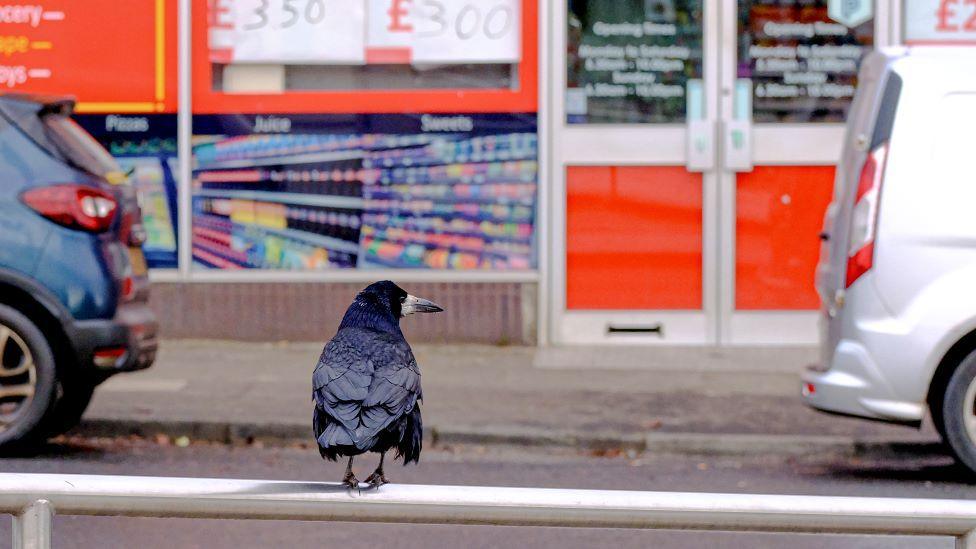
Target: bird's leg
[(377, 479), (350, 479)]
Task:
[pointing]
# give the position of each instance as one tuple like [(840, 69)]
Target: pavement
[(667, 400)]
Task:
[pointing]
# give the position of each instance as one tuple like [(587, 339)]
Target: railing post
[(967, 541), (32, 528)]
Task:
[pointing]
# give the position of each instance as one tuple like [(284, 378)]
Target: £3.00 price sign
[(444, 31), (366, 31)]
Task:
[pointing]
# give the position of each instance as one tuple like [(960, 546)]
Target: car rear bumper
[(853, 385), (133, 333)]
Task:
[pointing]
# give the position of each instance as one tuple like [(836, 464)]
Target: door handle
[(700, 129), (737, 132), (700, 148)]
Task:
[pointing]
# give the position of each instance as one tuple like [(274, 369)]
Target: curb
[(656, 442)]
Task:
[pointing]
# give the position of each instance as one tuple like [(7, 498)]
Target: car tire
[(23, 345), (69, 408), (959, 412)]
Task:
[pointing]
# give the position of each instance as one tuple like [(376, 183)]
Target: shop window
[(396, 191), (365, 134), (803, 56), (630, 61)]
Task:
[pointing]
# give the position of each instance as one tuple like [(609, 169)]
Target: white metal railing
[(33, 499)]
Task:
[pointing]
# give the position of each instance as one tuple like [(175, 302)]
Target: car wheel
[(27, 379), (959, 412), (69, 408), (939, 422)]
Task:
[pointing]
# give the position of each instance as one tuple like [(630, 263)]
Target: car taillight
[(864, 222), (128, 289), (73, 206)]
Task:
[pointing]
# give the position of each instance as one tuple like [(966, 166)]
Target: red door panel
[(633, 238)]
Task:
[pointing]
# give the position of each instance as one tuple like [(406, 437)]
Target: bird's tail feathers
[(329, 435), (411, 438)]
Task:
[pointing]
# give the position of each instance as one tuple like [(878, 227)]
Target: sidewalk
[(724, 401)]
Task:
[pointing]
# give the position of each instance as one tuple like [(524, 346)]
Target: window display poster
[(629, 61), (803, 56), (319, 192), (146, 146)]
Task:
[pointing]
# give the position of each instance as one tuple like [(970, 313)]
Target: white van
[(897, 273)]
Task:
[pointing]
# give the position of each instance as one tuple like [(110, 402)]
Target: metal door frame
[(772, 145), (617, 145), (718, 323)]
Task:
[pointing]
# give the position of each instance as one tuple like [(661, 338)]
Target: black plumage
[(366, 384)]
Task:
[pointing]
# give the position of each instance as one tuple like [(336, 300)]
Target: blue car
[(73, 285)]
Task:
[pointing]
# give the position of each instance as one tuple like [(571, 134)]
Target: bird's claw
[(377, 479), (350, 481)]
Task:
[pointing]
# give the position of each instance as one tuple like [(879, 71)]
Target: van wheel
[(959, 412), (27, 379)]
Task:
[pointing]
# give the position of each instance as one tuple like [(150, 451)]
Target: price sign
[(444, 31), (940, 22), (365, 31), (290, 31)]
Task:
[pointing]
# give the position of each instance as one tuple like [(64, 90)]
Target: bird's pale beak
[(413, 304)]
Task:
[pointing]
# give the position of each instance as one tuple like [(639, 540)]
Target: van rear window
[(886, 113)]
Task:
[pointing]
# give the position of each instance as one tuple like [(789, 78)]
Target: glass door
[(788, 79), (633, 116), (693, 145)]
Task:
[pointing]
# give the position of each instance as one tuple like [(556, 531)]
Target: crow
[(366, 385)]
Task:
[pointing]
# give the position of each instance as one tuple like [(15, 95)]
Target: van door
[(833, 252)]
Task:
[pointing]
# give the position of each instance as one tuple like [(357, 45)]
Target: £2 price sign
[(444, 31), (940, 22)]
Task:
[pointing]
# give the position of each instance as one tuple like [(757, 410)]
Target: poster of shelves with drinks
[(451, 192)]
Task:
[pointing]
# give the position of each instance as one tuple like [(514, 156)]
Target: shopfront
[(588, 171)]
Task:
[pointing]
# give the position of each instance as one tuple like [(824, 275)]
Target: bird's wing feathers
[(365, 380)]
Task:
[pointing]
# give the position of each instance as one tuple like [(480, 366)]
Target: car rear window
[(62, 138), (887, 110)]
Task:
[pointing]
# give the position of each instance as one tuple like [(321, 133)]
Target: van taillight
[(864, 223), (73, 206)]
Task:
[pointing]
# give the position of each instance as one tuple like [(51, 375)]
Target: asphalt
[(673, 400)]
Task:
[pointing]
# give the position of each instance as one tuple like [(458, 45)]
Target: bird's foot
[(350, 481), (377, 479)]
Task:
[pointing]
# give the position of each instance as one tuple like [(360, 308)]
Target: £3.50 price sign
[(288, 31), (366, 31)]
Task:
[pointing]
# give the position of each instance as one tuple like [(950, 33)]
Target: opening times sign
[(62, 47), (359, 32)]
